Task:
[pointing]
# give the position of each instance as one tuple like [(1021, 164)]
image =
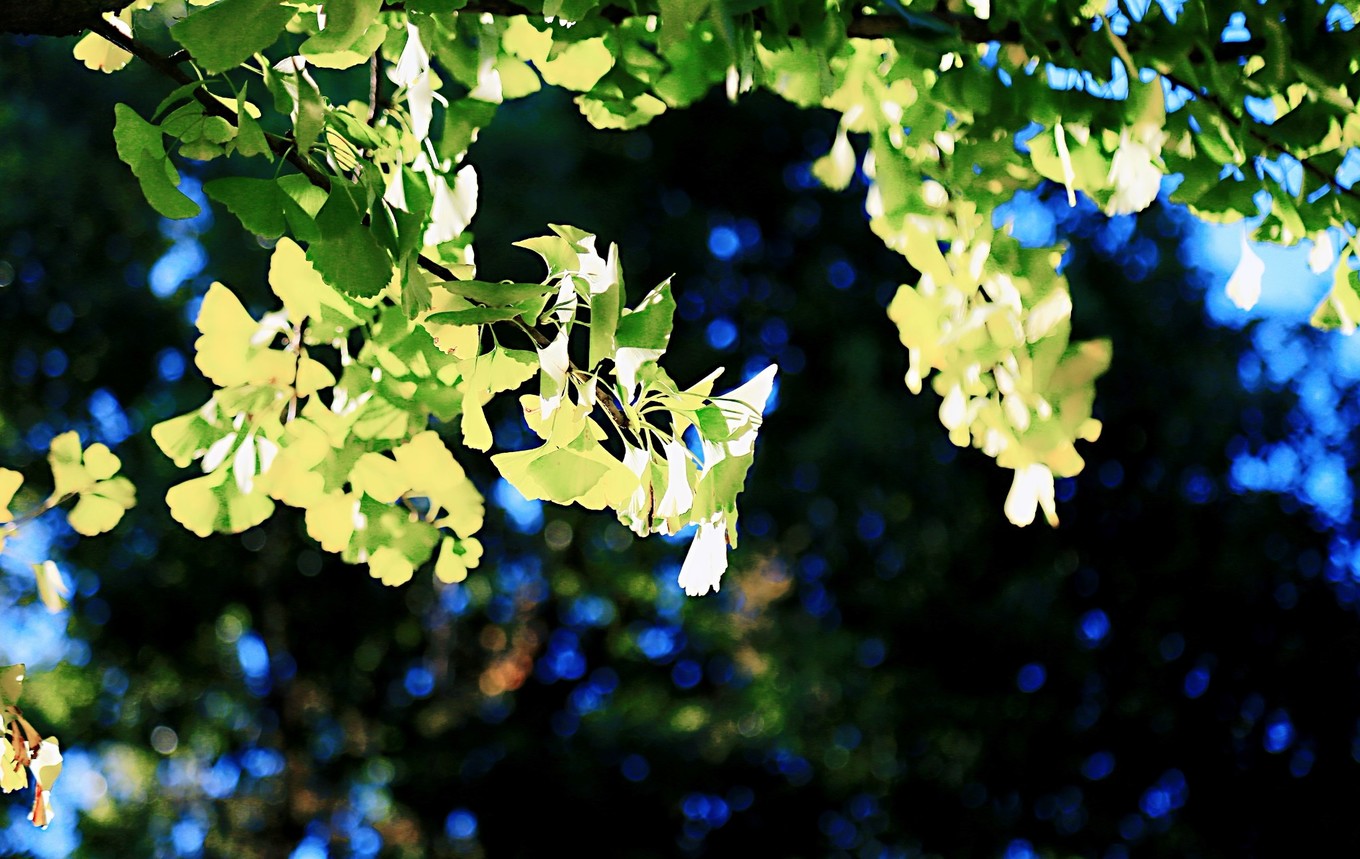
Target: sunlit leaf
[(258, 203), (141, 148), (225, 34), (52, 588), (11, 684)]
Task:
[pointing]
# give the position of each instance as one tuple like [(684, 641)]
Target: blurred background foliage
[(891, 669)]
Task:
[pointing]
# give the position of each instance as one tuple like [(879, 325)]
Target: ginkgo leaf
[(186, 437), (100, 462), (228, 352), (257, 203), (294, 476), (390, 566), (312, 376), (225, 34), (303, 291), (11, 684), (52, 587), (379, 477), (432, 472), (331, 520), (489, 374), (102, 507), (346, 21), (13, 775), (10, 481), (1244, 286), (346, 253), (69, 474), (577, 65), (648, 326), (99, 54), (214, 503), (456, 557), (140, 147)]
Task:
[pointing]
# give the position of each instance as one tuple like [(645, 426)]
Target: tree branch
[(53, 17), (283, 147)]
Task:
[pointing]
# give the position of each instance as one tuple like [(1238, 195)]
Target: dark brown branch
[(1224, 110), (283, 147), (375, 99), (53, 17)]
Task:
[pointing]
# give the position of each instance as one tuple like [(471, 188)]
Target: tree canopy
[(370, 387)]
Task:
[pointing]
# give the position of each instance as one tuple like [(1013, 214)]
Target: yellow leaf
[(456, 557), (101, 462), (292, 478), (99, 54), (214, 503), (12, 776), (52, 588), (578, 66), (312, 376), (429, 469), (10, 481), (94, 515), (68, 474), (227, 352), (193, 503), (330, 521), (391, 566), (379, 477), (303, 293)]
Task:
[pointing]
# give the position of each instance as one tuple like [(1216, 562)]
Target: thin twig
[(283, 147), (375, 101)]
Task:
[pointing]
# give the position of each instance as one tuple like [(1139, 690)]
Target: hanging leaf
[(225, 34), (141, 148)]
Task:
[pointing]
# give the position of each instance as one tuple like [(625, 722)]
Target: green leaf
[(558, 253), (1341, 306), (347, 255), (462, 120), (346, 21), (226, 34), (258, 203), (474, 315), (676, 18), (140, 147), (11, 684), (498, 294), (551, 474), (311, 113), (357, 52), (496, 371), (250, 139), (302, 201), (648, 326), (606, 308)]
